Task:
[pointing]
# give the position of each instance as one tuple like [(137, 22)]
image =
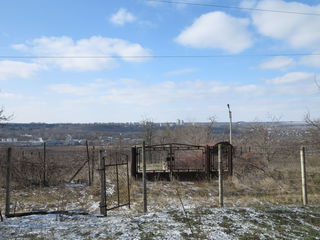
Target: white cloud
[(250, 88), (298, 30), (292, 77), (122, 16), (7, 95), (94, 46), (129, 99), (181, 71), (69, 89), (14, 69), (217, 30), (281, 63), (133, 92), (311, 60)]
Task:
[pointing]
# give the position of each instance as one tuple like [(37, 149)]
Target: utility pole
[(230, 124)]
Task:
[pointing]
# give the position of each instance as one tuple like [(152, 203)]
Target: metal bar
[(144, 176), (103, 200), (220, 167), (88, 159), (8, 182), (128, 182), (170, 155), (117, 173), (118, 206), (44, 164), (81, 167), (116, 164), (168, 144), (92, 166)]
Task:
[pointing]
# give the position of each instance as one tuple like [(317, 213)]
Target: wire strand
[(235, 7), (158, 56)]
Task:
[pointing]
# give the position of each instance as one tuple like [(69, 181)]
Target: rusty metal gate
[(114, 181), (181, 161)]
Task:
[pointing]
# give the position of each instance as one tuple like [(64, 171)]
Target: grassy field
[(259, 204)]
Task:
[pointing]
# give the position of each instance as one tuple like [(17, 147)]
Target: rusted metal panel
[(180, 160)]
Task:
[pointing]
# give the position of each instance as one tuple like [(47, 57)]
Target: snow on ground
[(165, 219), (271, 222)]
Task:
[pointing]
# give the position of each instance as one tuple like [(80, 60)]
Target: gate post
[(303, 176), (88, 159), (207, 163), (230, 159), (220, 170), (144, 177), (44, 174), (103, 197), (8, 181), (171, 162), (134, 162)]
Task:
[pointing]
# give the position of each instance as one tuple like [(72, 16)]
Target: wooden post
[(44, 177), (88, 160), (220, 170), (8, 180), (303, 176), (103, 196), (144, 177)]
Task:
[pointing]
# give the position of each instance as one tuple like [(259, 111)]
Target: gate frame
[(210, 157), (103, 168)]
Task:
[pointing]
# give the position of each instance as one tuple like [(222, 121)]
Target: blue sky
[(252, 63)]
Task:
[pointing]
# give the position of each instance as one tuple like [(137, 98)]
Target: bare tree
[(314, 124), (149, 131), (265, 138), (3, 116), (313, 136), (188, 133)]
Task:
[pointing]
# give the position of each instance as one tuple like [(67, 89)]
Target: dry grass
[(276, 183)]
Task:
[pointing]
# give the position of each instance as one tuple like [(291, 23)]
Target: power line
[(234, 7), (159, 56)]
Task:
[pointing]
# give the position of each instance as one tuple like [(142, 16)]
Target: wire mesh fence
[(117, 179), (40, 176), (260, 176), (257, 179), (38, 166)]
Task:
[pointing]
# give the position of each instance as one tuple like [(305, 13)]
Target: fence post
[(144, 177), (8, 180), (207, 165), (171, 162), (220, 170), (133, 169), (103, 197), (88, 159), (44, 164), (303, 176), (92, 165)]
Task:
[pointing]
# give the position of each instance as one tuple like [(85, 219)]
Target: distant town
[(130, 133)]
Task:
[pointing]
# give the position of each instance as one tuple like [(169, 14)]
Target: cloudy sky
[(127, 60)]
